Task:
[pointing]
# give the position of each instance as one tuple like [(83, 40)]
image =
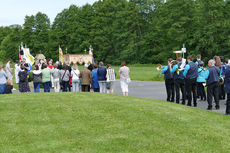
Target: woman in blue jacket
[(201, 81)]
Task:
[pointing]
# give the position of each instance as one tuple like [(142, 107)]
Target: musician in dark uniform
[(178, 80), (191, 74), (227, 87), (222, 86), (212, 77), (169, 83)]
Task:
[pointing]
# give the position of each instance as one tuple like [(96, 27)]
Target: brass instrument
[(221, 81), (160, 67)]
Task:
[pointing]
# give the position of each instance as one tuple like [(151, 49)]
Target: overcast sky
[(14, 11)]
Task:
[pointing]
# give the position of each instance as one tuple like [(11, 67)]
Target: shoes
[(172, 100), (209, 108), (217, 107), (195, 105), (227, 114)]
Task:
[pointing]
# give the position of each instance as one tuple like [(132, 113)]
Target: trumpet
[(160, 67)]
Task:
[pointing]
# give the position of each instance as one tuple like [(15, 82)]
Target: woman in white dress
[(16, 71), (9, 72), (124, 78)]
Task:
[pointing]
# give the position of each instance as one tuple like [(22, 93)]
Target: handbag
[(128, 80)]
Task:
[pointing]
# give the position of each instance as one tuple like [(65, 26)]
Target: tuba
[(221, 81)]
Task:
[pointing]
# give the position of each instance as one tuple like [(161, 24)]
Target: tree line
[(136, 31)]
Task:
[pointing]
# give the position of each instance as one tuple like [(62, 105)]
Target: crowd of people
[(63, 77), (189, 79), (192, 78)]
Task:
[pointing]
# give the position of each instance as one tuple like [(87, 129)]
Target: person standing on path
[(2, 80), (227, 87), (110, 75), (37, 78), (65, 74), (16, 71), (75, 73), (85, 74), (191, 74), (23, 80), (200, 81), (212, 77), (95, 84), (101, 73), (46, 78), (169, 83), (56, 77), (9, 73), (124, 78), (179, 81)]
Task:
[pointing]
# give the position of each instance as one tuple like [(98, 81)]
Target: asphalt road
[(157, 90)]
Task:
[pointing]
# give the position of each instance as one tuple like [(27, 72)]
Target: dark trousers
[(213, 91), (96, 89), (191, 89), (65, 86), (47, 86), (85, 88), (201, 91), (228, 104), (222, 91), (180, 84), (169, 84)]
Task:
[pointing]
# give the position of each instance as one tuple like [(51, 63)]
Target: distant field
[(101, 123), (141, 72)]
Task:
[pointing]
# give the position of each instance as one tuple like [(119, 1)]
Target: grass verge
[(91, 122)]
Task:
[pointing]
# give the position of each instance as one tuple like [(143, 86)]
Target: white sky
[(14, 11)]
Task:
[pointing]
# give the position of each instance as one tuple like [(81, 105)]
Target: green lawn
[(141, 72), (90, 122)]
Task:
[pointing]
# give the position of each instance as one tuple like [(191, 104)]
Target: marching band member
[(212, 77), (222, 88), (198, 59), (191, 74), (178, 80), (169, 83), (201, 81), (227, 87)]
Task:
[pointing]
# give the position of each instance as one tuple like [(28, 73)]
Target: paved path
[(156, 90)]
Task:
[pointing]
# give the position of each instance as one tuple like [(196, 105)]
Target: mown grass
[(90, 122)]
